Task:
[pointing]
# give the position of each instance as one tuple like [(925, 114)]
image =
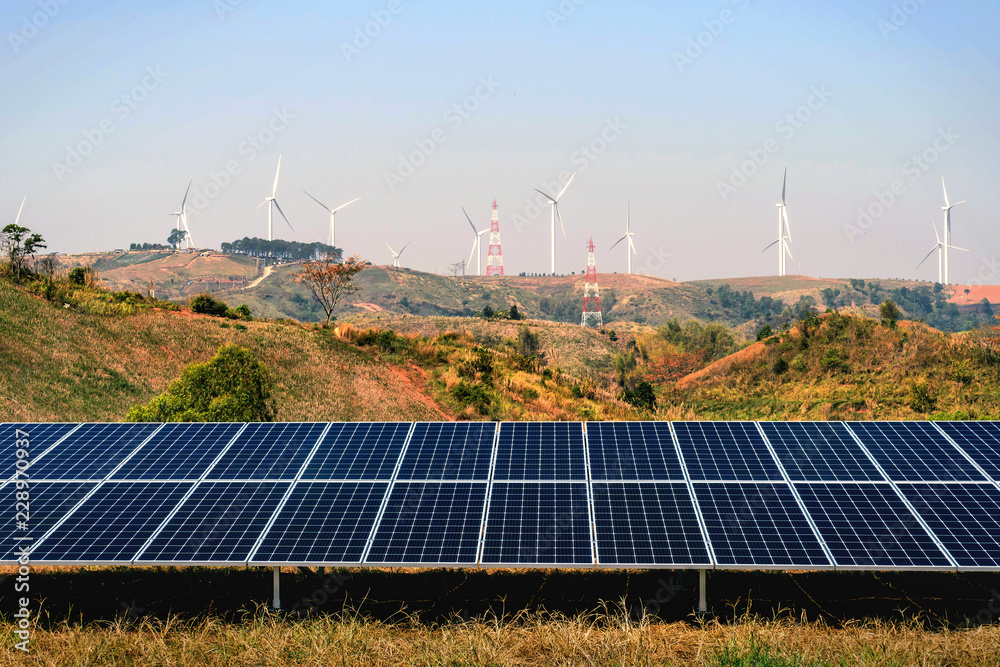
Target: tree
[(330, 280), (514, 313), (232, 387), (890, 313), (175, 237), (18, 245)]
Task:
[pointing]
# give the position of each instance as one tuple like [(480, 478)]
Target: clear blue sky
[(668, 122)]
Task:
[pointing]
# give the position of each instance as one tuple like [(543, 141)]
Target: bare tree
[(330, 280)]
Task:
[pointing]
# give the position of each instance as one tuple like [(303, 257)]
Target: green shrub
[(78, 276), (472, 394), (205, 304), (780, 366)]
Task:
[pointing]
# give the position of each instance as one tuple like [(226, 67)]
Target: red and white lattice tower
[(494, 261), (591, 294)]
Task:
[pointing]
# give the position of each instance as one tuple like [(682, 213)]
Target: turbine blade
[(957, 203), (771, 245), (472, 252), (549, 197), (391, 250), (345, 205), (404, 247), (619, 241), (21, 208), (470, 222), (955, 247), (274, 191), (925, 258), (559, 215), (258, 205), (628, 217), (934, 225), (787, 249), (283, 214), (784, 182), (318, 202), (184, 203), (632, 245), (565, 187), (784, 216), (945, 188)]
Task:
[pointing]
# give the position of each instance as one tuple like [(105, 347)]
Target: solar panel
[(964, 517), (323, 523), (868, 526), (758, 526), (914, 452), (540, 451), (819, 451), (980, 440), (725, 451), (48, 502), (91, 452), (268, 451), (179, 451), (632, 451), (538, 524), (449, 451), (219, 523), (358, 451), (113, 524), (40, 438), (647, 524), (429, 523)]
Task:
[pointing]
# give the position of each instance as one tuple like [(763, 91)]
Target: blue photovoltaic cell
[(40, 438), (914, 452), (358, 451), (538, 524), (219, 523), (113, 524), (323, 523), (980, 440), (647, 524), (820, 451), (964, 517), (449, 451), (430, 523), (758, 525), (720, 451), (179, 451), (868, 526), (268, 451), (632, 451), (92, 451), (540, 451), (47, 503)]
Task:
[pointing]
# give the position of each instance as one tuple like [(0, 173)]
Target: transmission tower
[(494, 261), (591, 293)]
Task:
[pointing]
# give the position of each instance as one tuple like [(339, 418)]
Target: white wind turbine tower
[(273, 199), (947, 230), (182, 217), (333, 215), (940, 251), (628, 235), (784, 230), (555, 212), (395, 255), (477, 245)]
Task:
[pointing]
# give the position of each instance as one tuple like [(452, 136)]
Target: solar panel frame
[(87, 454), (819, 452), (467, 454), (541, 451), (914, 452), (979, 440), (725, 452), (376, 447), (973, 542), (879, 515), (651, 454), (178, 451)]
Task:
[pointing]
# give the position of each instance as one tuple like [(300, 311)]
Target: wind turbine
[(555, 212), (273, 199), (182, 216), (18, 218), (784, 230), (395, 255), (333, 214), (628, 235), (940, 251), (477, 245), (947, 229)]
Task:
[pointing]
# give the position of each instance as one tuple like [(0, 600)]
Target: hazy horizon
[(444, 106)]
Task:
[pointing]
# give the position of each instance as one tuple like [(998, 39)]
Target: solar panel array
[(773, 495)]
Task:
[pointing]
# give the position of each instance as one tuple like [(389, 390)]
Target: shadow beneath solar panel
[(99, 594)]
